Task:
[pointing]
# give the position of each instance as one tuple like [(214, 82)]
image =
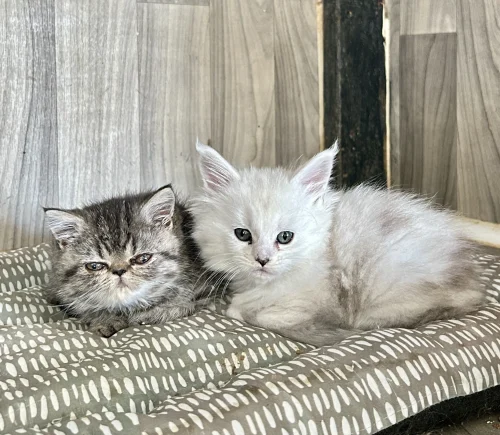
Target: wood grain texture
[(296, 81), (98, 141), (428, 16), (242, 71), (486, 424), (428, 84), (178, 2), (478, 111), (174, 79), (453, 429), (393, 11), (362, 89), (28, 154), (99, 98)]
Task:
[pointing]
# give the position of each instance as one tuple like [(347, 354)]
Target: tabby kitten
[(125, 261), (318, 265)]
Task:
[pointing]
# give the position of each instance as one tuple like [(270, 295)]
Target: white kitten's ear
[(159, 209), (315, 174), (215, 170), (64, 225)]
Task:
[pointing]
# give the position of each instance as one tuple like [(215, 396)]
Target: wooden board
[(178, 2), (392, 20), (428, 124), (296, 83), (485, 233), (98, 141), (354, 85), (478, 116), (28, 154), (174, 79), (428, 16), (484, 425), (243, 80)]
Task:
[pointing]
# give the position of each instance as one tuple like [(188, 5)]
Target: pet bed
[(214, 375)]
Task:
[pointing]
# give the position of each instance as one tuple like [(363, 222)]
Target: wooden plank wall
[(103, 97), (444, 94)]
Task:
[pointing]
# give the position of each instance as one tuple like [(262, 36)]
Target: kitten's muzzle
[(118, 272), (262, 261)]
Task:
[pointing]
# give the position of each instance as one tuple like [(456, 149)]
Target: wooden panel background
[(444, 59), (174, 79), (104, 97), (28, 122), (243, 110), (96, 70), (428, 113), (479, 109)]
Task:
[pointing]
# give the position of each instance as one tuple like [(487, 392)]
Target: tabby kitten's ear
[(64, 225), (215, 170), (315, 174), (159, 209)]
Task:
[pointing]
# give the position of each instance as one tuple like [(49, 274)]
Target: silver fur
[(114, 232), (360, 259)]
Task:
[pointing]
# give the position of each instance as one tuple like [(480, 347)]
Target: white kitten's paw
[(234, 313), (211, 306)]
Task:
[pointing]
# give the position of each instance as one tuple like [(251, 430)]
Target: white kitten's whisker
[(221, 279), (212, 273), (224, 276), (227, 284)]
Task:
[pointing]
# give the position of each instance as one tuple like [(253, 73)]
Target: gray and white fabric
[(213, 375)]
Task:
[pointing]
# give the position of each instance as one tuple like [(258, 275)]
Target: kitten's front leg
[(108, 326), (162, 313), (234, 312)]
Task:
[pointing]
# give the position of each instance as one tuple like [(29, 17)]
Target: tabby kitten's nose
[(262, 262), (118, 272)]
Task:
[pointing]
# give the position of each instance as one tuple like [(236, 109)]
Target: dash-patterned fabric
[(209, 374)]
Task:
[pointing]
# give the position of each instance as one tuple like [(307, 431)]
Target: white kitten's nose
[(261, 261)]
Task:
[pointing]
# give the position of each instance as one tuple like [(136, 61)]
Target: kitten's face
[(259, 225), (120, 254)]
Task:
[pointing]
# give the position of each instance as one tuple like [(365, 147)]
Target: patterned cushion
[(211, 374)]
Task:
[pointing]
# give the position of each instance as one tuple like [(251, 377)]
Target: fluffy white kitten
[(318, 265)]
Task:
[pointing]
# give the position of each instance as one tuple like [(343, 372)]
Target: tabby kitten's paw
[(108, 327)]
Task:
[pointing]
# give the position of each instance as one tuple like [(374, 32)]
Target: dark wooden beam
[(354, 88)]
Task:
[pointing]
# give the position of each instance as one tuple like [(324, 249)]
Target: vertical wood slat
[(296, 81), (354, 87), (428, 16), (28, 144), (478, 113), (175, 95), (428, 83), (393, 13), (177, 2), (242, 69), (98, 141)]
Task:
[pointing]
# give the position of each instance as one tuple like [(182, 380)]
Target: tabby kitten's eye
[(243, 235), (94, 267), (284, 237), (141, 259)]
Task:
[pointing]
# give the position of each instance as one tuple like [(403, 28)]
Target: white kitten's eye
[(95, 267), (284, 237), (141, 259), (243, 235)]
